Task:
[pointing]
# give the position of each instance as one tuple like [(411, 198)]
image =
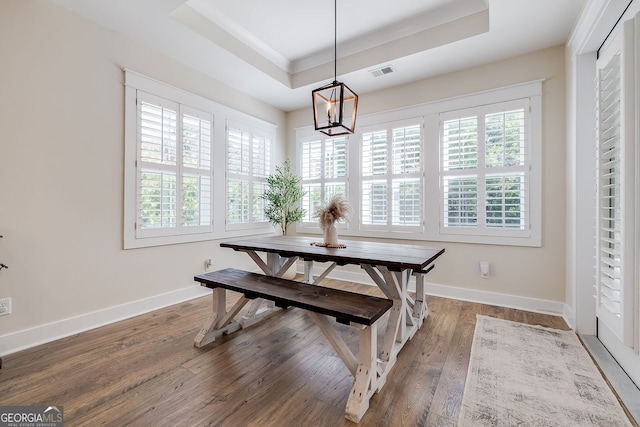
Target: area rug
[(523, 375)]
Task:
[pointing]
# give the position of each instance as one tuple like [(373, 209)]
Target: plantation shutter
[(615, 183), (406, 180), (485, 170), (374, 183), (238, 176), (459, 164), (174, 168), (392, 181), (197, 131), (323, 168), (261, 167), (248, 165)]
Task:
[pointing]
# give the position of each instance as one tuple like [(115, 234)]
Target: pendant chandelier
[(335, 105)]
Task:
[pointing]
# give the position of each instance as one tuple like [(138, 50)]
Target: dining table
[(397, 269)]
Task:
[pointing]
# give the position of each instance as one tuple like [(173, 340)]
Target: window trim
[(533, 238), (133, 82), (481, 172), (430, 112)]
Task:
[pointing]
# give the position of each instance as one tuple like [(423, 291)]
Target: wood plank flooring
[(145, 371)]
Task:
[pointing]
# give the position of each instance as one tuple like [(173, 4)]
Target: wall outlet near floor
[(5, 306), (208, 264)]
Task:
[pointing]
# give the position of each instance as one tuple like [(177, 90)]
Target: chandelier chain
[(335, 40)]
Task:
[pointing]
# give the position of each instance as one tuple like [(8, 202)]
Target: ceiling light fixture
[(335, 105)]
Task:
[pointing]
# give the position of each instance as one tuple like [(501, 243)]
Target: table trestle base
[(390, 266), (368, 372)]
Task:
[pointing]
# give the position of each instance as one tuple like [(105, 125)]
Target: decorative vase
[(331, 235)]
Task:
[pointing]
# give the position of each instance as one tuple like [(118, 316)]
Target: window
[(248, 165), (174, 168), (323, 168), (466, 169), (485, 169), (391, 171), (183, 155)]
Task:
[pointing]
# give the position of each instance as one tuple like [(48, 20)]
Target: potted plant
[(283, 195)]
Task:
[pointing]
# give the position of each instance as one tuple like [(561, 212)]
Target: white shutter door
[(615, 182)]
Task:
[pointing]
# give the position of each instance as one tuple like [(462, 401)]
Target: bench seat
[(346, 307)]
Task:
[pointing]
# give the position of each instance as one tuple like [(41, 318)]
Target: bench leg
[(220, 321), (256, 313)]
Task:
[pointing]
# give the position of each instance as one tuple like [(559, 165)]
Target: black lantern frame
[(335, 105), (334, 109)]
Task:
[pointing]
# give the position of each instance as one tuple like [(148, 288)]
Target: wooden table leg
[(420, 308), (368, 379), (401, 325)]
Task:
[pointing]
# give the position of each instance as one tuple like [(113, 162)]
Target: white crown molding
[(423, 31), (242, 34)]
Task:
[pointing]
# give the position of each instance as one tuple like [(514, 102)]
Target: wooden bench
[(358, 310), (346, 307)]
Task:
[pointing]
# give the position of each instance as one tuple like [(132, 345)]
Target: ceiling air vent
[(382, 71)]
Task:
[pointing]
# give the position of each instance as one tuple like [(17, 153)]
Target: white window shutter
[(323, 168), (615, 187), (174, 168), (485, 170), (392, 182), (248, 165)]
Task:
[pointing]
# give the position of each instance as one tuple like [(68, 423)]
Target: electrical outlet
[(5, 306), (208, 264), (485, 269)]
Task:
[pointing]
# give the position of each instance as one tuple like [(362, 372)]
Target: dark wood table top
[(394, 256)]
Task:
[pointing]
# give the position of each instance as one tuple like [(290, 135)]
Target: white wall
[(61, 174), (533, 277), (61, 178)]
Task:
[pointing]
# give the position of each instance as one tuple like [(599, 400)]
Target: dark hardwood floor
[(145, 371)]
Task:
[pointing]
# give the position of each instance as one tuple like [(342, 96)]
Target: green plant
[(283, 195)]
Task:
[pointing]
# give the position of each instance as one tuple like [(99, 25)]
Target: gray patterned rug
[(523, 375)]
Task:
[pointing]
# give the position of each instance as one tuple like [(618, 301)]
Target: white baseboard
[(554, 308), (535, 305), (27, 338), (569, 316)]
